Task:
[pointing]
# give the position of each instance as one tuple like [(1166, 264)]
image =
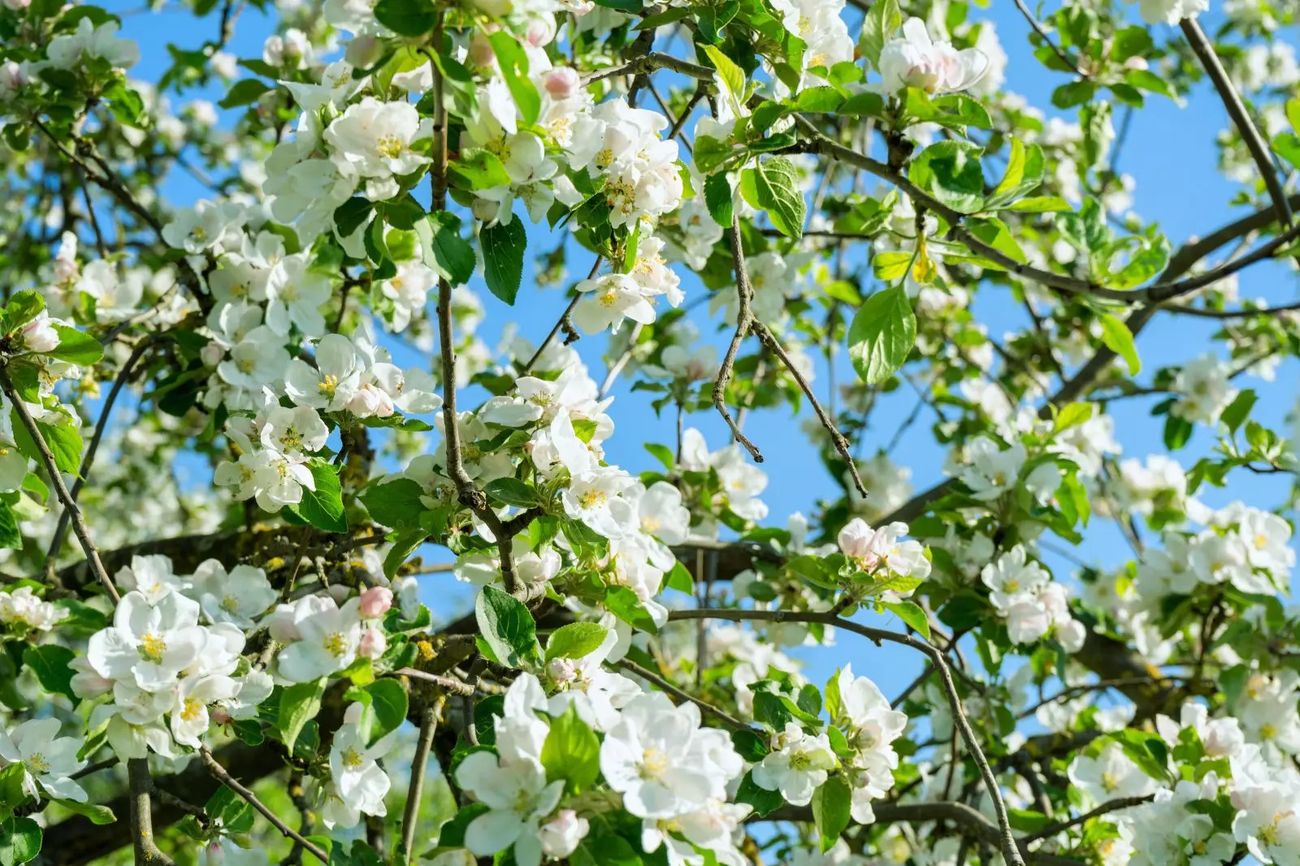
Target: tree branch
[(1237, 111), (56, 480), (147, 852), (1007, 840), (219, 773)]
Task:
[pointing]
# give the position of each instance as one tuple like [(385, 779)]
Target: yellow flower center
[(335, 644), (152, 647), (390, 146), (654, 763)]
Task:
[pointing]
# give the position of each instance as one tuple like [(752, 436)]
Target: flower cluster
[(170, 664), (1033, 605)]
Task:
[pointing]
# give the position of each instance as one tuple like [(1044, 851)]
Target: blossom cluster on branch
[(248, 439)]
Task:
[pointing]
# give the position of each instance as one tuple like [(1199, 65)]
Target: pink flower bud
[(372, 645), (219, 715), (561, 82), (541, 31), (376, 601)]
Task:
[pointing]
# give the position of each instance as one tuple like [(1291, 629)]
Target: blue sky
[(1170, 151)]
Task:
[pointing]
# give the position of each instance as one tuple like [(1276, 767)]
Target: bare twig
[(1259, 152), (705, 707), (123, 376), (56, 480), (768, 339), (1103, 809), (219, 773), (419, 766), (1047, 40), (744, 321)]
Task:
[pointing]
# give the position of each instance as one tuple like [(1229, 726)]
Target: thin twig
[(419, 766), (562, 322), (705, 707), (56, 480), (1042, 34), (744, 321), (1103, 809), (466, 490), (768, 339), (1007, 839), (1204, 51), (219, 773), (123, 375)]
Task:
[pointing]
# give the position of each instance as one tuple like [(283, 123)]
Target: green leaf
[(512, 491), (11, 538), (453, 257), (717, 197), (575, 640), (911, 613), (299, 703), (407, 17), (482, 169), (244, 92), (507, 627), (98, 815), (571, 752), (1040, 204), (323, 507), (63, 440), (1238, 409), (950, 171), (389, 702), (513, 63), (1027, 820), (882, 21), (76, 347), (394, 503), (882, 335), (50, 663), (732, 76), (22, 308), (1287, 146), (1024, 172), (503, 258), (625, 604), (679, 578), (352, 214), (776, 189), (831, 808), (1119, 339), (20, 841), (229, 810)]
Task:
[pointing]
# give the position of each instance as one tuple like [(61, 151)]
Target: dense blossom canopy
[(246, 440)]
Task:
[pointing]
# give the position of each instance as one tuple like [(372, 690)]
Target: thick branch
[(147, 852)]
